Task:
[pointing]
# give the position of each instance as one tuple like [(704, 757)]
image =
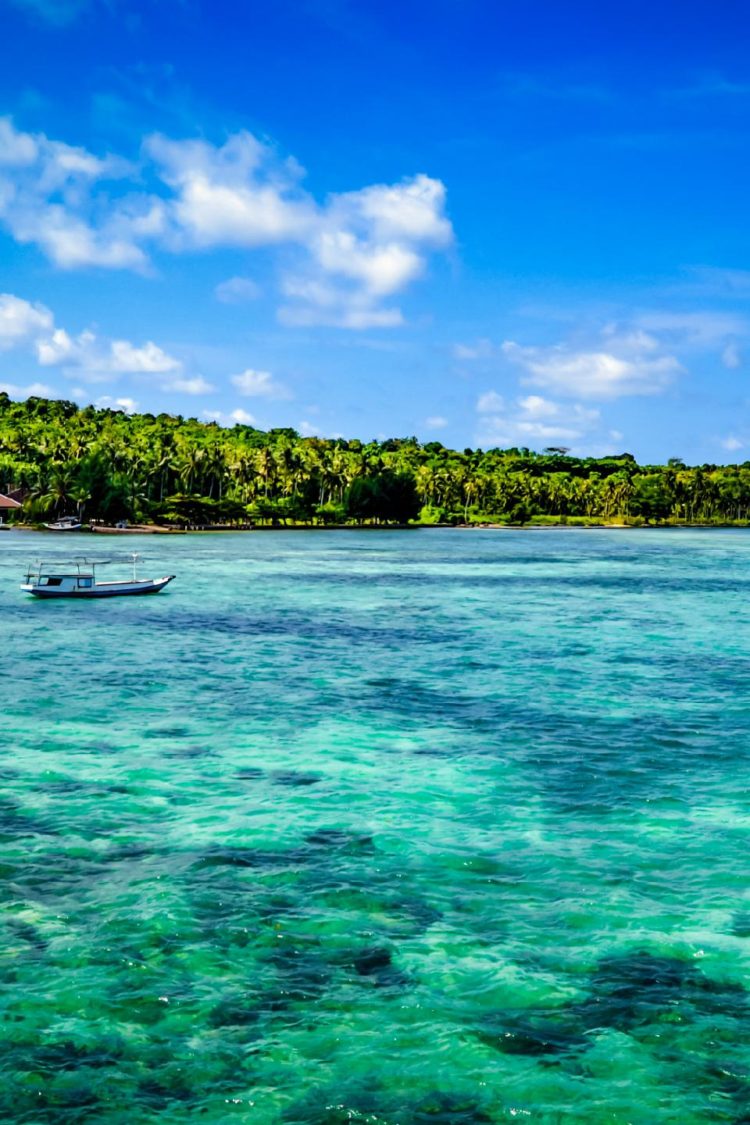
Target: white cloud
[(242, 418), (319, 302), (196, 385), (536, 407), (95, 359), (360, 246), (16, 149), (260, 384), (380, 269), (697, 329), (482, 349), (412, 211), (731, 357), (41, 390), (490, 403), (21, 321), (367, 245), (348, 253), (46, 199), (234, 418), (237, 290), (149, 358), (732, 443), (712, 281), (99, 360), (129, 405), (436, 422), (532, 421), (629, 367), (240, 194), (310, 316)]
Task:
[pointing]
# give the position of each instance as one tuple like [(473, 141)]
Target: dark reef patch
[(741, 924), (341, 840), (293, 779), (70, 1056), (376, 963), (28, 933), (447, 1109), (189, 753), (304, 973), (175, 731), (235, 1011), (17, 822), (250, 857), (628, 990), (536, 1036)]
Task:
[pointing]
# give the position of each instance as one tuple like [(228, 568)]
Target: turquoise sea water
[(406, 828)]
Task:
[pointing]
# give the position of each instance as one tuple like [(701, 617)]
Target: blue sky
[(480, 223)]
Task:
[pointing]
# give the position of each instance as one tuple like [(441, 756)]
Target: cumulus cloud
[(413, 210), (46, 198), (366, 246), (348, 253), (482, 349), (490, 403), (196, 385), (732, 443), (234, 418), (436, 422), (88, 356), (316, 302), (99, 360), (237, 290), (696, 328), (21, 320), (238, 194), (731, 357), (628, 364), (129, 405), (532, 421), (260, 384), (41, 390)]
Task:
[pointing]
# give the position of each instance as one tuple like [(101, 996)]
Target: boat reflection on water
[(81, 582)]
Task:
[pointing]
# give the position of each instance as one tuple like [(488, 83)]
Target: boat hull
[(102, 589)]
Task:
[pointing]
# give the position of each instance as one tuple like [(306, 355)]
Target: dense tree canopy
[(108, 465)]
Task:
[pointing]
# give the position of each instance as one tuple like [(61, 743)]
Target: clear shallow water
[(402, 828)]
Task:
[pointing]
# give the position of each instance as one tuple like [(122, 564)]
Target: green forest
[(105, 465)]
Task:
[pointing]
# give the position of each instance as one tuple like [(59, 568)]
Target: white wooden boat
[(65, 523), (82, 582)]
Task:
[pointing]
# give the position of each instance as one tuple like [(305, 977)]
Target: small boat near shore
[(65, 523), (42, 582)]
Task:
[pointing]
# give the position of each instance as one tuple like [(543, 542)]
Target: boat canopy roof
[(52, 567)]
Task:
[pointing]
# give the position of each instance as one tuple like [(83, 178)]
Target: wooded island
[(106, 465)]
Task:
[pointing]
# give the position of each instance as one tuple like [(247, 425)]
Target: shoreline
[(156, 530)]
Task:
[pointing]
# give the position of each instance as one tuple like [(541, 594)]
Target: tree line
[(108, 465)]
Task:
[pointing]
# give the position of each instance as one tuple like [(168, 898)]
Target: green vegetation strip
[(108, 466)]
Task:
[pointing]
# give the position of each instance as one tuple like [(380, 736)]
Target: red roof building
[(6, 503)]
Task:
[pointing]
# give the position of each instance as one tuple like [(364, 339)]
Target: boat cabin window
[(84, 583), (50, 581)]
